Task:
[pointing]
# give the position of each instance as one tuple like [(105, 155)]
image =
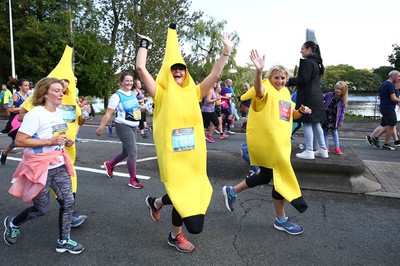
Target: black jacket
[(309, 90)]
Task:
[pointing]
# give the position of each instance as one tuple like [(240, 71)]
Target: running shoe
[(375, 142), (154, 213), (77, 219), (224, 136), (11, 233), (388, 147), (109, 130), (70, 246), (109, 169), (210, 138), (338, 151), (3, 158), (368, 139), (135, 183), (288, 227), (321, 153), (180, 243), (307, 154), (230, 197), (229, 132)]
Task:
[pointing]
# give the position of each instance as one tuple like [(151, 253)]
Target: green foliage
[(359, 80), (104, 36), (394, 58), (383, 72)]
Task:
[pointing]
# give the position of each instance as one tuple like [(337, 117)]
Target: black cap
[(172, 26)]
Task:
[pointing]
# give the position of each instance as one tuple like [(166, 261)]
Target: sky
[(353, 32)]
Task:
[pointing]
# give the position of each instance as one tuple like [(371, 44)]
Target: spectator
[(309, 94), (335, 104)]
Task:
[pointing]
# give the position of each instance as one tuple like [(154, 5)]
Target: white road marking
[(101, 171)]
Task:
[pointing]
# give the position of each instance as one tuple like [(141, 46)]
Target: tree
[(359, 80), (42, 29), (394, 58)]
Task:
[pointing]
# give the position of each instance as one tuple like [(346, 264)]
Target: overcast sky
[(353, 32)]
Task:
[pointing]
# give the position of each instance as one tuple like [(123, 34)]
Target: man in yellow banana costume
[(268, 132), (179, 136), (72, 115)]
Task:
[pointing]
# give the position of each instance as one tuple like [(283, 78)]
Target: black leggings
[(263, 178), (142, 120), (194, 224)]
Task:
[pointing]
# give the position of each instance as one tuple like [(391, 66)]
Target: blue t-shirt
[(385, 91)]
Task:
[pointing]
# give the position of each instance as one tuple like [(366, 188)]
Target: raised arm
[(141, 58), (259, 63), (216, 71)]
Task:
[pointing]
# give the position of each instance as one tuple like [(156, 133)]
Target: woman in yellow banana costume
[(72, 114), (269, 127), (179, 136)]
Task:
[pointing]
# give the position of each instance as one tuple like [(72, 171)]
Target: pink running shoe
[(210, 139), (180, 243), (109, 169), (338, 151), (135, 183), (224, 136)]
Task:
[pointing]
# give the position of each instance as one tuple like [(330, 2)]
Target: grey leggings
[(59, 180), (127, 135)]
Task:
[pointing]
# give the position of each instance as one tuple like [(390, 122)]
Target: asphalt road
[(340, 229)]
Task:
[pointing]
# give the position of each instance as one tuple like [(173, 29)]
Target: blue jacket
[(341, 109)]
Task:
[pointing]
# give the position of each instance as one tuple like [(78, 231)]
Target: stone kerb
[(339, 173)]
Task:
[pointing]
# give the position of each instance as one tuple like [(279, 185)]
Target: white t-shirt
[(42, 124), (115, 104)]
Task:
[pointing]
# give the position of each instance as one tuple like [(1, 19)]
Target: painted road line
[(93, 170)]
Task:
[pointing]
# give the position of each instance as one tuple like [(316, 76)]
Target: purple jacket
[(341, 109)]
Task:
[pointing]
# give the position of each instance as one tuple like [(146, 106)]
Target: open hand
[(258, 61), (227, 40)]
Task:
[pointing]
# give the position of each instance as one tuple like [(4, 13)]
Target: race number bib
[(284, 110), (183, 139), (69, 113)]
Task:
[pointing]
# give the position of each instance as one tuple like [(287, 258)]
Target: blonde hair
[(345, 90), (277, 68), (41, 89)]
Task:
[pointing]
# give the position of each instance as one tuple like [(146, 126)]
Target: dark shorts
[(210, 117), (218, 111), (389, 117), (226, 111)]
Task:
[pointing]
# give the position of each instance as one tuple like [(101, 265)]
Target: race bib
[(69, 113), (183, 139), (284, 110)]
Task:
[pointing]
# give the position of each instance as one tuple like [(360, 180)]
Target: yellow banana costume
[(179, 136), (71, 109), (269, 128)]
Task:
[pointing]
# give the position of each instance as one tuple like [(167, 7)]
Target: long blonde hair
[(345, 90)]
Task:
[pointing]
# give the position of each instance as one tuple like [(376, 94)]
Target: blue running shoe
[(109, 130), (11, 233), (288, 227), (77, 219), (229, 196), (70, 246)]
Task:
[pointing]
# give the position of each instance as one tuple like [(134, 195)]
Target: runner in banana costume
[(269, 127), (179, 136)]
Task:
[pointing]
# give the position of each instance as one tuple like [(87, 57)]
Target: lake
[(363, 105)]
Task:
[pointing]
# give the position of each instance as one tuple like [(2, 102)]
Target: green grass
[(360, 118)]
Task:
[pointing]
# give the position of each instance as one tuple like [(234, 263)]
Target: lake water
[(363, 105)]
